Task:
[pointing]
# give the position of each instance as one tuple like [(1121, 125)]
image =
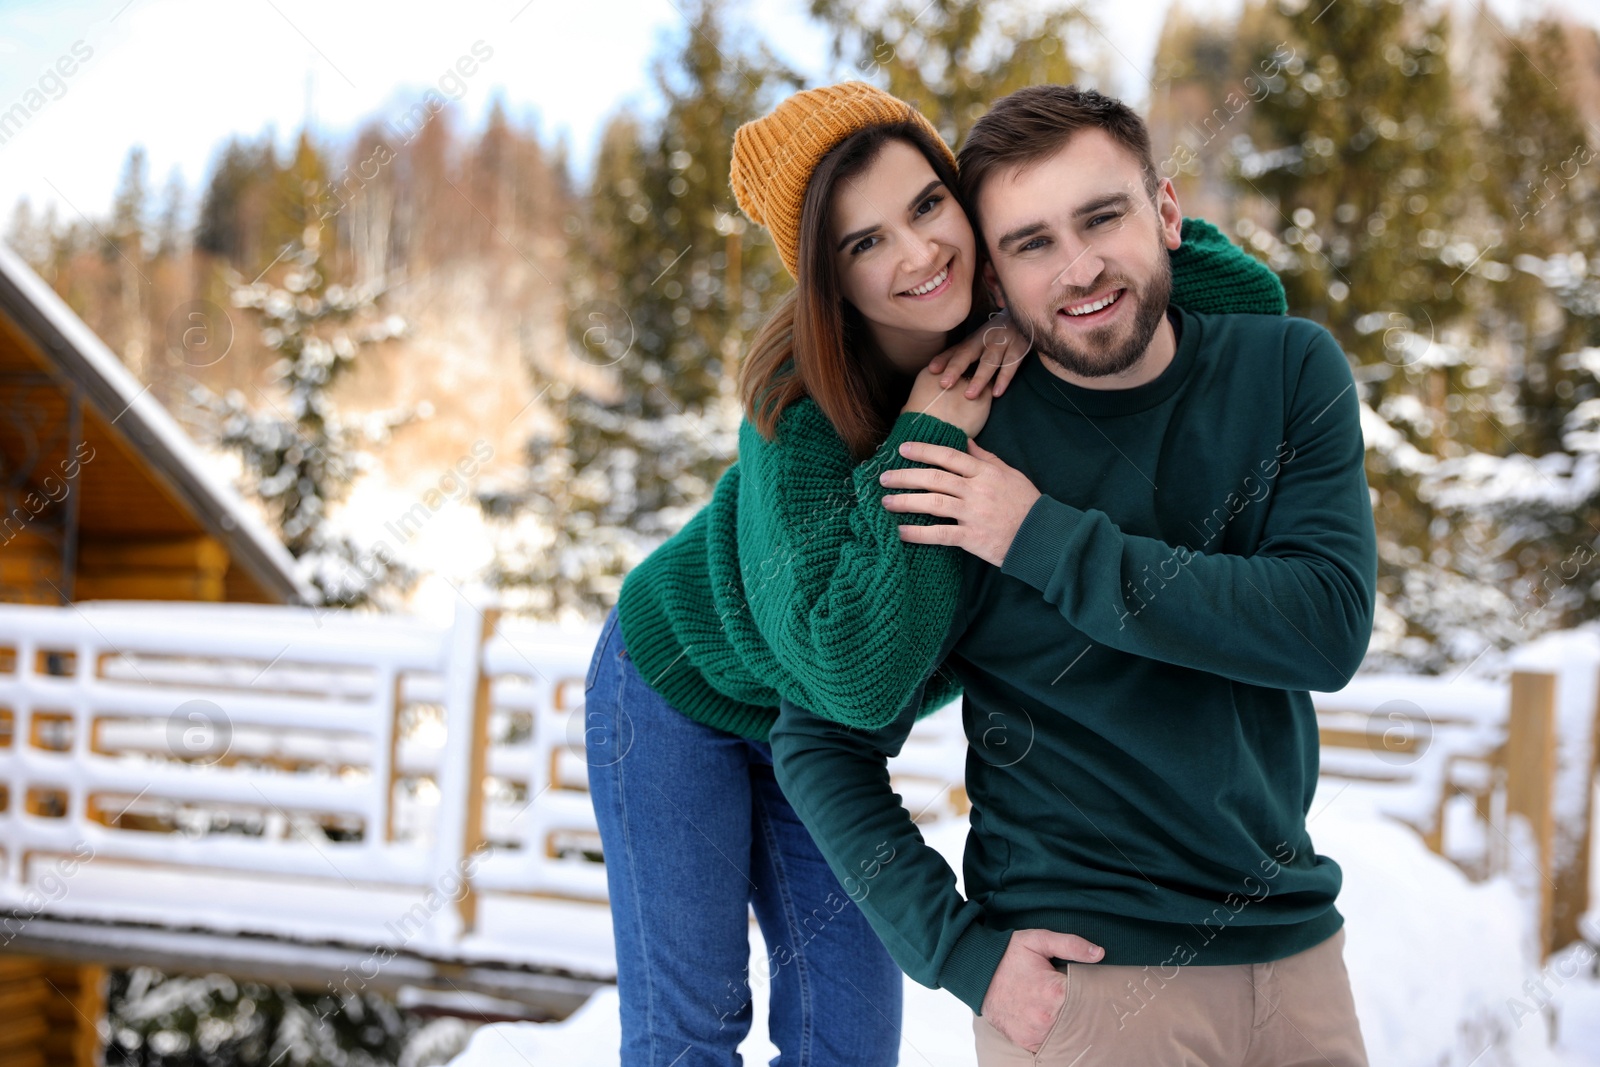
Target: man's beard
[(1101, 355)]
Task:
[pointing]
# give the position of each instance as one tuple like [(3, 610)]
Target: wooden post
[(1530, 777), (1572, 878), (477, 771), (396, 702)]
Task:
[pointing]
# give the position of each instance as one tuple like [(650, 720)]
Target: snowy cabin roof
[(146, 510)]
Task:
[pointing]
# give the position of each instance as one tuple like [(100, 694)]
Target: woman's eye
[(864, 244), (928, 204)]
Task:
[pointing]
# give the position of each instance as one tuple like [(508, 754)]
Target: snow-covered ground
[(1443, 969)]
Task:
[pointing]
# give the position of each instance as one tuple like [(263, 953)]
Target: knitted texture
[(793, 581), (1212, 276), (773, 156)]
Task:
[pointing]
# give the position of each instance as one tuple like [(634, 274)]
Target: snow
[(1437, 966)]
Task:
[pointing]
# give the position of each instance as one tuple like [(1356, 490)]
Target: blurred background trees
[(1422, 177), (664, 288)]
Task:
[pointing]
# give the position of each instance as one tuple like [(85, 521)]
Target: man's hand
[(1026, 990), (987, 498)]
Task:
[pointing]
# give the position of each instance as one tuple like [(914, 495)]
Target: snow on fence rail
[(346, 755), (1495, 775), (288, 744)]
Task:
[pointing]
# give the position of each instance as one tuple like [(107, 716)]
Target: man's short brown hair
[(1034, 123)]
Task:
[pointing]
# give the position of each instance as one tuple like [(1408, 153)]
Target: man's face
[(1079, 253)]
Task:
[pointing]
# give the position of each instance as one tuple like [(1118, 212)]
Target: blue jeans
[(695, 831)]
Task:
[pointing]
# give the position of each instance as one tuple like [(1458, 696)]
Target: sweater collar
[(1097, 403)]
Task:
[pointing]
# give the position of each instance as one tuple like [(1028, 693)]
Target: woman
[(793, 582)]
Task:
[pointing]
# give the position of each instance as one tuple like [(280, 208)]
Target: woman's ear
[(991, 282)]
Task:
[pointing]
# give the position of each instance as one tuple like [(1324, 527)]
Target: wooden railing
[(350, 754), (1490, 774), (374, 760)]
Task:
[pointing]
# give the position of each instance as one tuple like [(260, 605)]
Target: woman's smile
[(934, 287)]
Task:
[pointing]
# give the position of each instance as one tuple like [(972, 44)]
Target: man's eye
[(928, 204), (1104, 217), (864, 244), (1033, 243)]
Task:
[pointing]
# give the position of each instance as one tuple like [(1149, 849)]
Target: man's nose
[(1081, 268)]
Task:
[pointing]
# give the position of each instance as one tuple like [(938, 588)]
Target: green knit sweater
[(793, 582)]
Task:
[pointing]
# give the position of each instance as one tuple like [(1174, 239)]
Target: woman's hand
[(1001, 346), (948, 403)]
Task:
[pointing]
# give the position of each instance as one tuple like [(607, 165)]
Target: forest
[(1422, 179)]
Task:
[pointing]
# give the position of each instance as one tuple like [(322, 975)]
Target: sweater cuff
[(918, 426), (1036, 550), (909, 426), (970, 967)]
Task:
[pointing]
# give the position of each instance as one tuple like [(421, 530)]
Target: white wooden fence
[(324, 775)]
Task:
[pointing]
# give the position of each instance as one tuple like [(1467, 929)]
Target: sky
[(179, 76)]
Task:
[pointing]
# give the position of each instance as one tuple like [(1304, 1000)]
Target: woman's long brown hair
[(815, 343)]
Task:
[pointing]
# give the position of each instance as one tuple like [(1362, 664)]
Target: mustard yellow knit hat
[(773, 156)]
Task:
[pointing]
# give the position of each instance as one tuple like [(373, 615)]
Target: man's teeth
[(930, 285), (1090, 309)]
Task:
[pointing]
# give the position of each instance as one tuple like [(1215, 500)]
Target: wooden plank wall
[(49, 1013)]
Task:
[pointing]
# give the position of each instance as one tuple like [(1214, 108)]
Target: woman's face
[(905, 253)]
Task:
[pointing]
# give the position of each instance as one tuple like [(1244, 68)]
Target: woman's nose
[(922, 255)]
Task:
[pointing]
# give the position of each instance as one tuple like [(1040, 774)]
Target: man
[(1168, 540)]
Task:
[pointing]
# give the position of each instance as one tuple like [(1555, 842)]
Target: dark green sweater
[(793, 581), (1143, 750)]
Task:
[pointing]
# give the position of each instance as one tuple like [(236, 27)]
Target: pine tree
[(952, 58), (1531, 505), (1356, 161), (299, 456), (232, 206), (159, 1020), (126, 251), (667, 286)]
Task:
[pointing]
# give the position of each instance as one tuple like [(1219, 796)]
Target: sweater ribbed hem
[(1221, 941), (1128, 942), (970, 967), (665, 666)]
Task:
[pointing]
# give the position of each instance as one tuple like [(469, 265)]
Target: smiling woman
[(877, 224), (906, 266)]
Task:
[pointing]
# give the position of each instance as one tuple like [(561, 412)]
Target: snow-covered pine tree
[(1531, 503), (299, 456), (668, 282), (1355, 169), (159, 1020)]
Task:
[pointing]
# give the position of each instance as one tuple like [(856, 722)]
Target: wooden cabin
[(102, 497)]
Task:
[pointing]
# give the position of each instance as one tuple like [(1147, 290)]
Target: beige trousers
[(1290, 1012)]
